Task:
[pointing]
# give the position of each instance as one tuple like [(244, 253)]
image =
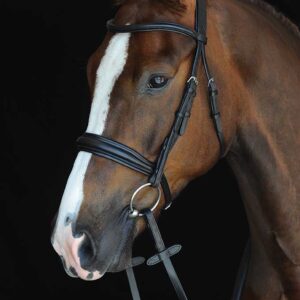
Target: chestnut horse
[(137, 81)]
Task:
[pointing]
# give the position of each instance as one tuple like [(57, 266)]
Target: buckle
[(194, 78)]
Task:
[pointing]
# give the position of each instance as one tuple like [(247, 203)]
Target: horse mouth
[(121, 260), (90, 254), (114, 260)]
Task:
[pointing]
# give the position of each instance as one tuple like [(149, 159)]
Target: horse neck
[(263, 84)]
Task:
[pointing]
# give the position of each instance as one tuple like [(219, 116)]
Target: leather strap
[(122, 154), (155, 259), (242, 273), (132, 284), (115, 151), (164, 254), (160, 26), (213, 103), (131, 278), (178, 129), (202, 18)]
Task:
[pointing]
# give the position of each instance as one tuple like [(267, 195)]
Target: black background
[(44, 107)]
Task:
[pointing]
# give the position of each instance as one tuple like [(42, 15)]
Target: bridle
[(126, 156)]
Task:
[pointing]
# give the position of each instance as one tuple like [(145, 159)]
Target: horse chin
[(118, 267), (116, 260), (121, 262)]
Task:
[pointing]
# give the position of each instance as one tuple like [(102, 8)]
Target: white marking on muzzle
[(109, 70)]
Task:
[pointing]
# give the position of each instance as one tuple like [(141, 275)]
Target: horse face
[(137, 81)]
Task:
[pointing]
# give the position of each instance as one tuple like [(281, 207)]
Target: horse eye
[(157, 82)]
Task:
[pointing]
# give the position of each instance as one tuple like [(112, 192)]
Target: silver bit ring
[(133, 213)]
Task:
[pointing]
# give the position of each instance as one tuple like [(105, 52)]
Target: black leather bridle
[(126, 156)]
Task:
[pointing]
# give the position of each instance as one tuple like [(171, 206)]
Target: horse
[(137, 81)]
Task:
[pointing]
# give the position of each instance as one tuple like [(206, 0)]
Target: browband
[(160, 26)]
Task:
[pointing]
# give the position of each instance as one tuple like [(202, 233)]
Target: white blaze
[(109, 70)]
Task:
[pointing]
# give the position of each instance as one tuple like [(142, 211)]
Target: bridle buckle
[(194, 78)]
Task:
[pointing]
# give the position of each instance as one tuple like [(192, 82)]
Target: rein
[(126, 156)]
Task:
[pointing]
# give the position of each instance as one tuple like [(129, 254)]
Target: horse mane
[(277, 14), (176, 6)]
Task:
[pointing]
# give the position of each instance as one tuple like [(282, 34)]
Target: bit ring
[(133, 213)]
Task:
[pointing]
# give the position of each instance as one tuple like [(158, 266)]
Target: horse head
[(137, 81)]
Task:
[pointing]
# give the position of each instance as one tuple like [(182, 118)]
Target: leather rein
[(110, 149)]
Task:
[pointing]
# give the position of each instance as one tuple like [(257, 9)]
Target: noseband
[(128, 157)]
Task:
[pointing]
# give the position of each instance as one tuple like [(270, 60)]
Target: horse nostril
[(87, 252)]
